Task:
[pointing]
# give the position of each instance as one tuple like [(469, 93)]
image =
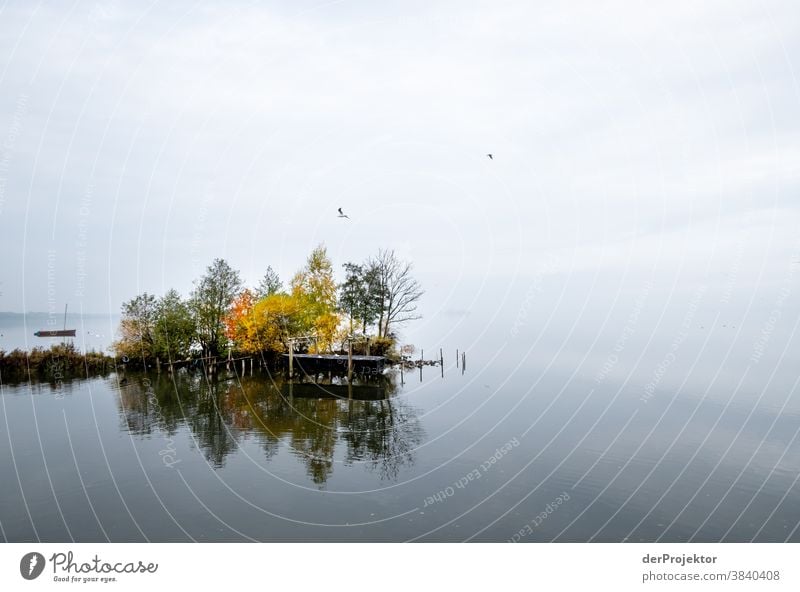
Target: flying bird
[(490, 157), (342, 214)]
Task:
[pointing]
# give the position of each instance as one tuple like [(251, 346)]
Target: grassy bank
[(58, 362)]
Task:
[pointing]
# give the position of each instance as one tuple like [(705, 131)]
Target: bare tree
[(399, 291)]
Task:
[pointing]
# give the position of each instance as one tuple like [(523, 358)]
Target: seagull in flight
[(342, 214), (490, 157)]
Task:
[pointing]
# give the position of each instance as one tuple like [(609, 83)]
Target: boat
[(57, 332)]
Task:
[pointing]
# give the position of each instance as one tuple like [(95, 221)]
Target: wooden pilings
[(349, 361)]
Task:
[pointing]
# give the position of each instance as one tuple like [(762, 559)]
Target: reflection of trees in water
[(380, 433), (143, 412), (187, 401), (210, 425)]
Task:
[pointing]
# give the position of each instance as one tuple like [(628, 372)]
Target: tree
[(240, 323), (174, 329), (314, 289), (270, 284), (398, 291), (276, 319), (315, 282), (137, 328), (351, 291), (265, 324), (211, 301), (359, 295)]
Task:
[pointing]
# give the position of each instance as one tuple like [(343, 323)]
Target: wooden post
[(367, 345), (243, 369), (441, 361), (463, 362), (251, 366), (456, 358), (349, 360), (421, 361), (291, 358)]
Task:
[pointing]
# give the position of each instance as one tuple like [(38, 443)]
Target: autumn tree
[(211, 301), (314, 289), (240, 323), (265, 324), (315, 282), (277, 318)]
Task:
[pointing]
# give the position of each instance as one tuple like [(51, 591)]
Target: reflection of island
[(365, 420)]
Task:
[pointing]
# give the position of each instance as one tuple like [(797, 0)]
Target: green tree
[(211, 301), (270, 284), (174, 329), (137, 338), (359, 295)]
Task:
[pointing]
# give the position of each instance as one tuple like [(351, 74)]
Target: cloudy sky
[(632, 142)]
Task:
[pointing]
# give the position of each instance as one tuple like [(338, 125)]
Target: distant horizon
[(32, 312)]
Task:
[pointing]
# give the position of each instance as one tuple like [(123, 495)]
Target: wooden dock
[(336, 363)]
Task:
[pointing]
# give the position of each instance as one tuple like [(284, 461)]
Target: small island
[(222, 321)]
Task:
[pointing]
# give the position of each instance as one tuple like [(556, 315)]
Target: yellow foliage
[(265, 324), (325, 326), (268, 323), (239, 323)]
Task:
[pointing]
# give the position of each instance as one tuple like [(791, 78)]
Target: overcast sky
[(630, 139)]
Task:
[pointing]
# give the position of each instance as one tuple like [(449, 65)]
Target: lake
[(92, 331), (535, 441)]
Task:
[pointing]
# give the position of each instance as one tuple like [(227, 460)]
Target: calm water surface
[(582, 416), (92, 331), (521, 448)]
